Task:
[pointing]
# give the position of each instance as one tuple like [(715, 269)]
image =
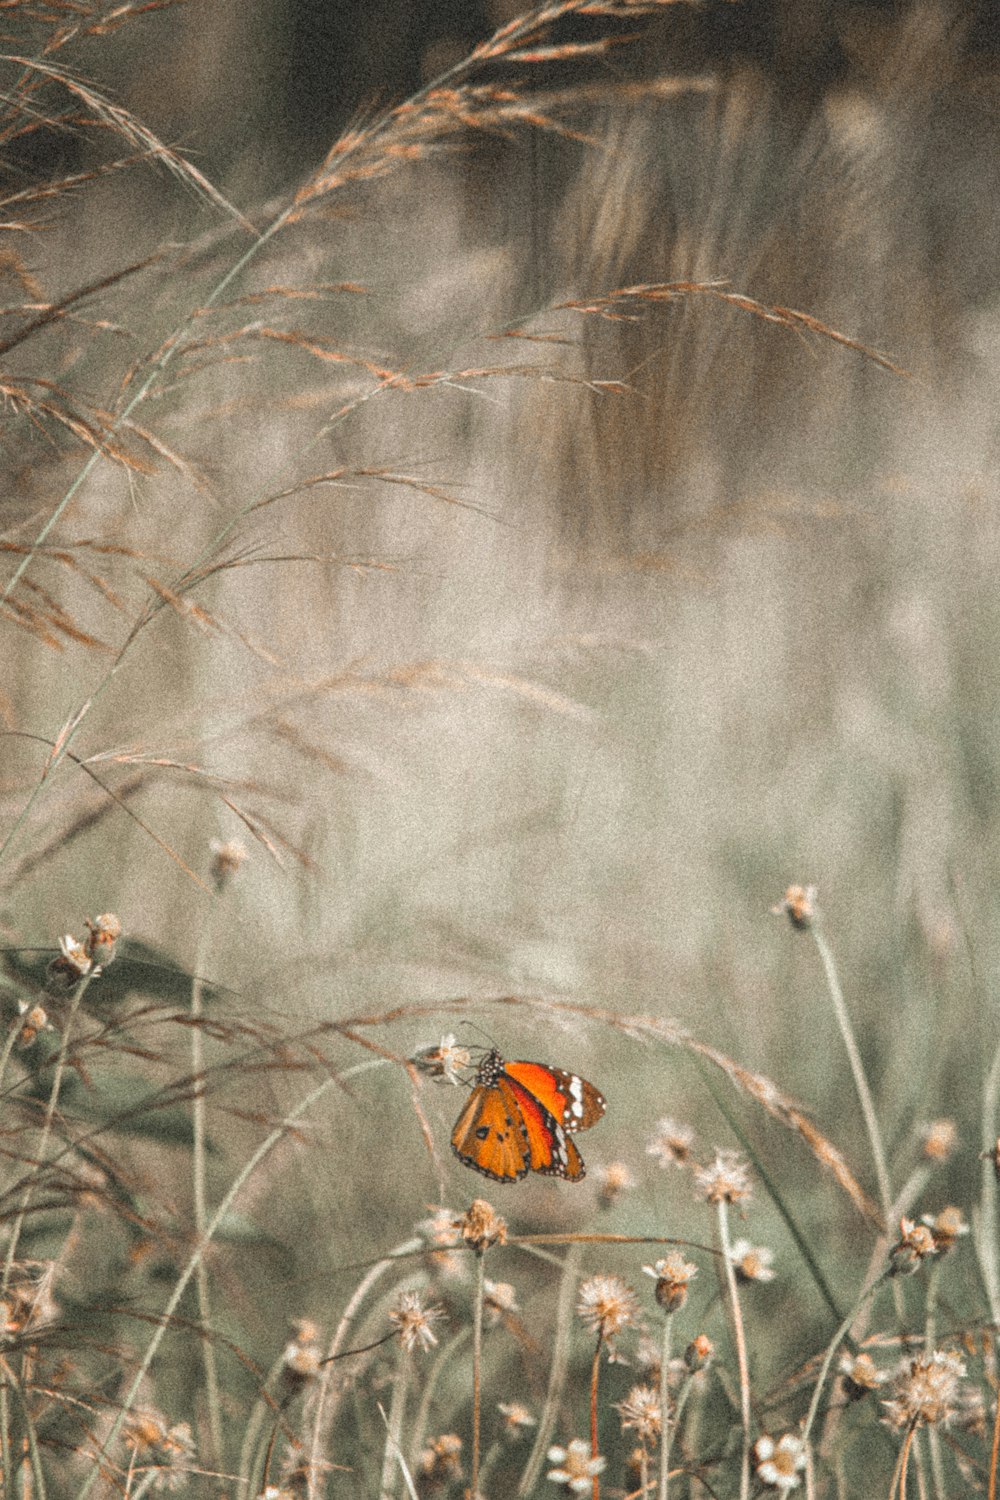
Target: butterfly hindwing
[(520, 1117)]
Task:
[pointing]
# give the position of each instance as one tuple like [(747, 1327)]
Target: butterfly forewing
[(573, 1102)]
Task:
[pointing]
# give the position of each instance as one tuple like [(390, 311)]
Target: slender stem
[(394, 1430), (557, 1370), (643, 1469), (477, 1356), (741, 1347), (443, 1358), (199, 1190), (594, 1375), (991, 1493), (986, 1240), (665, 1432), (857, 1068)]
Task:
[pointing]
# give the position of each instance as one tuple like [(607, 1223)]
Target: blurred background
[(585, 674)]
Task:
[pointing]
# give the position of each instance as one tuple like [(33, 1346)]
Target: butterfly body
[(520, 1118)]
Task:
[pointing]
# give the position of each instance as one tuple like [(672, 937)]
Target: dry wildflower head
[(73, 964), (226, 858), (275, 1492), (613, 1180), (33, 1019), (481, 1226), (517, 1419), (102, 935), (939, 1140), (606, 1305), (725, 1180), (925, 1389), (799, 905), (166, 1451), (575, 1468), (699, 1353), (778, 1464), (915, 1243), (752, 1262), (946, 1227), (440, 1462), (671, 1143), (442, 1231), (499, 1302), (443, 1062), (673, 1275), (860, 1375), (415, 1322), (641, 1411), (302, 1357)]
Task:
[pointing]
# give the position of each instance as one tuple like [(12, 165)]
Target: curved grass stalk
[(739, 1335), (199, 1194)]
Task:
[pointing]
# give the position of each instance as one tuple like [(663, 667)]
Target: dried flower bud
[(725, 1180), (65, 972), (517, 1419), (499, 1302), (940, 1138), (915, 1243), (860, 1375), (671, 1143), (102, 935), (799, 905), (698, 1354), (481, 1226), (34, 1018), (443, 1062), (302, 1357), (673, 1275), (612, 1181), (946, 1227), (441, 1460), (752, 1262), (225, 862)]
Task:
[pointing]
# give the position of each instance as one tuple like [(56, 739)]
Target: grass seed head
[(939, 1140), (33, 1019), (517, 1419), (946, 1227), (861, 1375), (226, 858), (440, 1462), (613, 1180), (499, 1301)]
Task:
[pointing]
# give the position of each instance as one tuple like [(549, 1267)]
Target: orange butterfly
[(521, 1116)]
